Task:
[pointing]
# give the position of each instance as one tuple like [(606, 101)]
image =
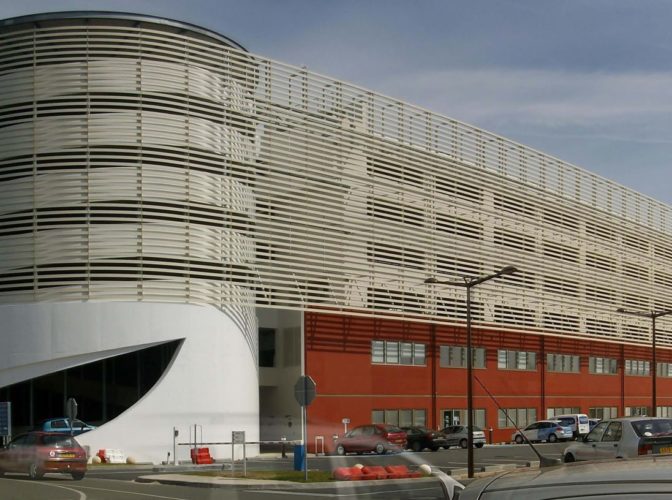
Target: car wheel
[(77, 476), (569, 458), (340, 449), (34, 471), (416, 446), (463, 443), (479, 445), (552, 438), (435, 448), (519, 439), (380, 449)]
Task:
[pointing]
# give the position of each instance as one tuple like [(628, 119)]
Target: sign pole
[(305, 442), (305, 391)]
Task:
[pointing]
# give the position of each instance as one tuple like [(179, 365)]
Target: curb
[(224, 482)]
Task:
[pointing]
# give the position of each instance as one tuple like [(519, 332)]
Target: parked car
[(644, 477), (625, 437), (544, 430), (379, 438), (456, 435), (577, 421), (62, 425), (37, 453), (419, 438)]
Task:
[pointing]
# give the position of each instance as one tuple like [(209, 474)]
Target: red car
[(380, 438), (39, 452)]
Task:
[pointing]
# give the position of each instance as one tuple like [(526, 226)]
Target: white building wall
[(212, 381)]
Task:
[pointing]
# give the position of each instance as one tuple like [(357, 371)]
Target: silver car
[(637, 478), (625, 437), (456, 435), (544, 430)]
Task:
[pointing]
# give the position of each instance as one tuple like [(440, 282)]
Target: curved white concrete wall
[(212, 382)]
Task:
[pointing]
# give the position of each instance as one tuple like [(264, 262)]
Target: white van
[(577, 421)]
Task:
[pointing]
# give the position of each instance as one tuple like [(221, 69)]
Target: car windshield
[(653, 428), (59, 441)]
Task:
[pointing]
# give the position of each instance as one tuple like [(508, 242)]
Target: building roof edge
[(96, 14)]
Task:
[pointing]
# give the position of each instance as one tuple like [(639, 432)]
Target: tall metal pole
[(654, 368), (469, 284), (470, 392)]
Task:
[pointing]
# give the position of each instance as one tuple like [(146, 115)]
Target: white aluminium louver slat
[(140, 164)]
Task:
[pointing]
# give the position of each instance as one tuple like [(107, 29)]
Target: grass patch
[(314, 476)]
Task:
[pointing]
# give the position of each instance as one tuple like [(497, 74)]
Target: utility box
[(299, 456)]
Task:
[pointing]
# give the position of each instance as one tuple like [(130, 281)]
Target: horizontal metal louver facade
[(140, 163)]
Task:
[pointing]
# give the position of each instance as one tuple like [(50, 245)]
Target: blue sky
[(588, 81)]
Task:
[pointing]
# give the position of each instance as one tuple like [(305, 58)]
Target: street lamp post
[(654, 369), (468, 284)]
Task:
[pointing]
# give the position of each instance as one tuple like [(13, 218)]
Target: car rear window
[(583, 420), (59, 442), (653, 428), (392, 428)]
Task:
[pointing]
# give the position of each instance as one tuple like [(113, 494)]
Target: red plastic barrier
[(375, 470), (400, 472), (347, 473), (201, 456)]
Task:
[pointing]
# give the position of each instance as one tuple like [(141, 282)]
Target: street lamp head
[(431, 280), (620, 310), (508, 270)]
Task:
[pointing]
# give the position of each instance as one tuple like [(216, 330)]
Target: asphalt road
[(111, 482)]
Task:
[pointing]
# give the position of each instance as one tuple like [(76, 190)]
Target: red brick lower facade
[(351, 385)]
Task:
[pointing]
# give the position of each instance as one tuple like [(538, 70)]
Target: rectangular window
[(405, 418), (603, 413), (406, 353), (420, 417), (266, 347), (378, 416), (552, 412), (397, 353), (516, 360), (664, 369), (637, 367), (664, 411), (392, 352), (568, 363), (522, 417), (392, 417), (377, 351), (456, 357), (459, 417), (400, 417), (636, 411), (419, 354), (602, 366)]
